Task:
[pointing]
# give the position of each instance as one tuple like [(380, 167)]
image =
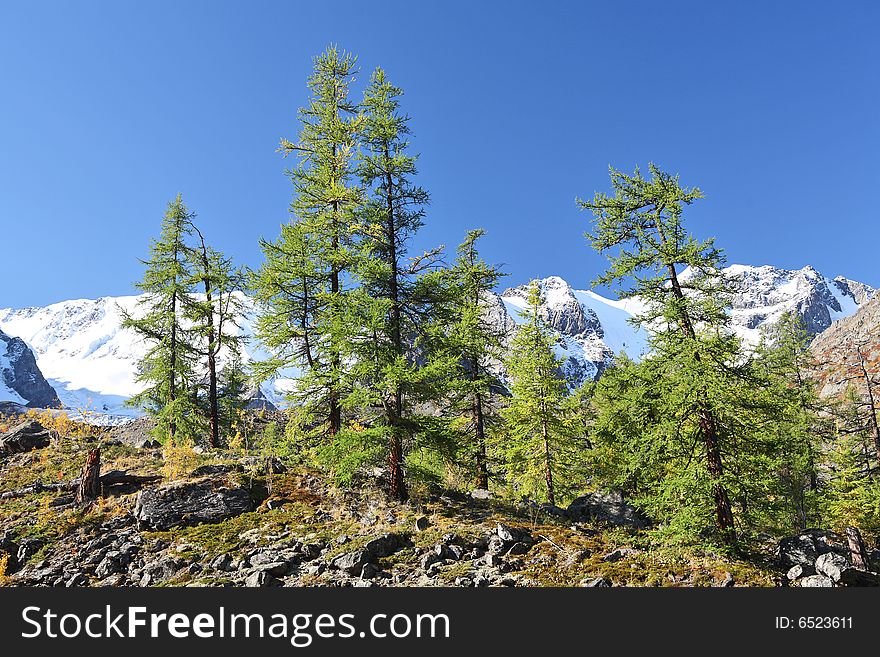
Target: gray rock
[(369, 571), (190, 503), (351, 562), (24, 437), (832, 565), (496, 545), (261, 579), (481, 494), (22, 375), (28, 548), (607, 507), (114, 562), (803, 549), (511, 535), (519, 548), (422, 524), (384, 545), (596, 582), (618, 554), (816, 581), (798, 571)]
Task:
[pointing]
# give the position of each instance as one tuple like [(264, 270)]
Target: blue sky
[(108, 109)]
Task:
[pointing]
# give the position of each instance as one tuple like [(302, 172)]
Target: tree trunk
[(334, 411), (480, 430), (213, 412), (548, 466), (858, 554), (708, 429), (89, 485), (172, 392), (397, 485)]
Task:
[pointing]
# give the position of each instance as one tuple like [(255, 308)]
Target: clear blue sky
[(108, 109)]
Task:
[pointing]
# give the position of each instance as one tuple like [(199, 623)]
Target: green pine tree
[(852, 492), (214, 320), (394, 365), (538, 447), (168, 370), (691, 380), (478, 346), (303, 285), (799, 419)]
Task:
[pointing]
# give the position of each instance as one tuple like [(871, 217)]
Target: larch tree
[(303, 286), (800, 421), (168, 369), (394, 364), (641, 230), (477, 343), (537, 442), (213, 320)]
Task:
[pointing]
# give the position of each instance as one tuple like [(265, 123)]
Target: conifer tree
[(169, 365), (799, 420), (852, 495), (394, 365), (477, 343), (214, 320), (640, 228), (538, 447), (302, 285)]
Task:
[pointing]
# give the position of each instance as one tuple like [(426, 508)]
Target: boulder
[(803, 549), (190, 503), (798, 571), (352, 562), (831, 565), (816, 581), (607, 507), (385, 545), (24, 437), (839, 570), (596, 582)]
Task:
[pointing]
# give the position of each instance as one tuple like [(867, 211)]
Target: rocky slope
[(21, 381), (835, 349), (176, 518)]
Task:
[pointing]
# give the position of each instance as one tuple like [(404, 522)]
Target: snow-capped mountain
[(92, 362), (764, 293), (88, 357), (590, 328), (20, 379)]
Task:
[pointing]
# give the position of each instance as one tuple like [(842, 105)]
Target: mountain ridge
[(91, 361)]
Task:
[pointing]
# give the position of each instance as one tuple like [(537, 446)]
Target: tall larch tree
[(303, 285), (214, 319), (169, 366), (395, 365), (537, 444), (477, 342), (640, 229)]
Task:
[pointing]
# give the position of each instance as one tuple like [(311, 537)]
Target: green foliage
[(303, 287), (852, 495), (538, 447), (477, 344), (684, 431), (168, 368)]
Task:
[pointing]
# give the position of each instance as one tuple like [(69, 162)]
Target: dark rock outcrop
[(20, 373), (190, 503), (27, 436), (607, 507)]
